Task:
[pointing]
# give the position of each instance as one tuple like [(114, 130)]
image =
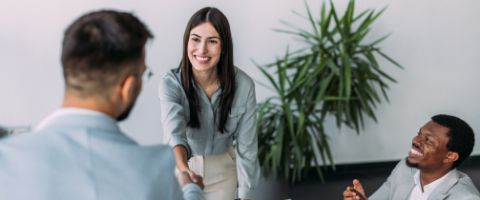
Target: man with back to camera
[(429, 171), (78, 152)]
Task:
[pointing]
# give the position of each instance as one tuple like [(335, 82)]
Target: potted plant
[(335, 75)]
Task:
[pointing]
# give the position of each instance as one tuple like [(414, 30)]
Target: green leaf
[(310, 18), (338, 26), (379, 40), (389, 59), (360, 15), (347, 75), (270, 78), (348, 16)]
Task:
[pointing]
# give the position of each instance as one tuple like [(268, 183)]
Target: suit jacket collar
[(80, 118), (441, 192), (408, 183)]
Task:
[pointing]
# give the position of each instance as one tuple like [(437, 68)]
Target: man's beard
[(125, 113), (414, 165)]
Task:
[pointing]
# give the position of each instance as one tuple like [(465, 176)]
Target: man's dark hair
[(97, 46), (461, 136)]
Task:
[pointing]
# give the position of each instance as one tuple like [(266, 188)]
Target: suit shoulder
[(162, 152), (402, 172), (466, 186), (33, 149), (25, 140)]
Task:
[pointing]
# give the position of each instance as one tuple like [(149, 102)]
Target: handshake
[(187, 176)]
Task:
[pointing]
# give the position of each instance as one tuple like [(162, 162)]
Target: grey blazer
[(87, 157), (456, 186)]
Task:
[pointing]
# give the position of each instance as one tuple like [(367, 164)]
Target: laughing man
[(429, 171)]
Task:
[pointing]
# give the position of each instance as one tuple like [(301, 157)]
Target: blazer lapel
[(404, 189), (442, 191)]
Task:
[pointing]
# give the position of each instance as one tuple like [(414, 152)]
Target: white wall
[(435, 40)]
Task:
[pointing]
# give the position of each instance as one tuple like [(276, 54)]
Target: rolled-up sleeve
[(248, 168), (172, 113)]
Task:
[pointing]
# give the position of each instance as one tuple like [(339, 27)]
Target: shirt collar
[(431, 186)]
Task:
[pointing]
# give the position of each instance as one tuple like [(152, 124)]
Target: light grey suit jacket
[(456, 186), (87, 157)]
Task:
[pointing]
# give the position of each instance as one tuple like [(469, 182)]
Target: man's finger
[(358, 186), (348, 194), (357, 195)]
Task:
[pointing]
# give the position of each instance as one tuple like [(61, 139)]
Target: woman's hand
[(186, 177), (197, 179)]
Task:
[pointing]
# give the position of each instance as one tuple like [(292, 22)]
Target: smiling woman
[(204, 49), (208, 105)]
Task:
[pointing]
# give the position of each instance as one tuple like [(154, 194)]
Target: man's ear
[(127, 89), (451, 157)]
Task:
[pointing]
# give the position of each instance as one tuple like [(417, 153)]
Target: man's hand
[(354, 193), (188, 176), (197, 179)]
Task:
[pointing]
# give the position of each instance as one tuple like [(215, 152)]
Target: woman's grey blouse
[(207, 140)]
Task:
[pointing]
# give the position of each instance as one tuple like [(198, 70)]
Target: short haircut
[(96, 48), (461, 135)]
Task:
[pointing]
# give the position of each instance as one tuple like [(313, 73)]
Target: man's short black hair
[(97, 46), (461, 135)]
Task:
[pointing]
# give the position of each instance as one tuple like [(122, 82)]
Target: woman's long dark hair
[(225, 68)]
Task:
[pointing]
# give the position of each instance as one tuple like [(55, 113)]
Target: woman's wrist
[(183, 169), (181, 158)]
